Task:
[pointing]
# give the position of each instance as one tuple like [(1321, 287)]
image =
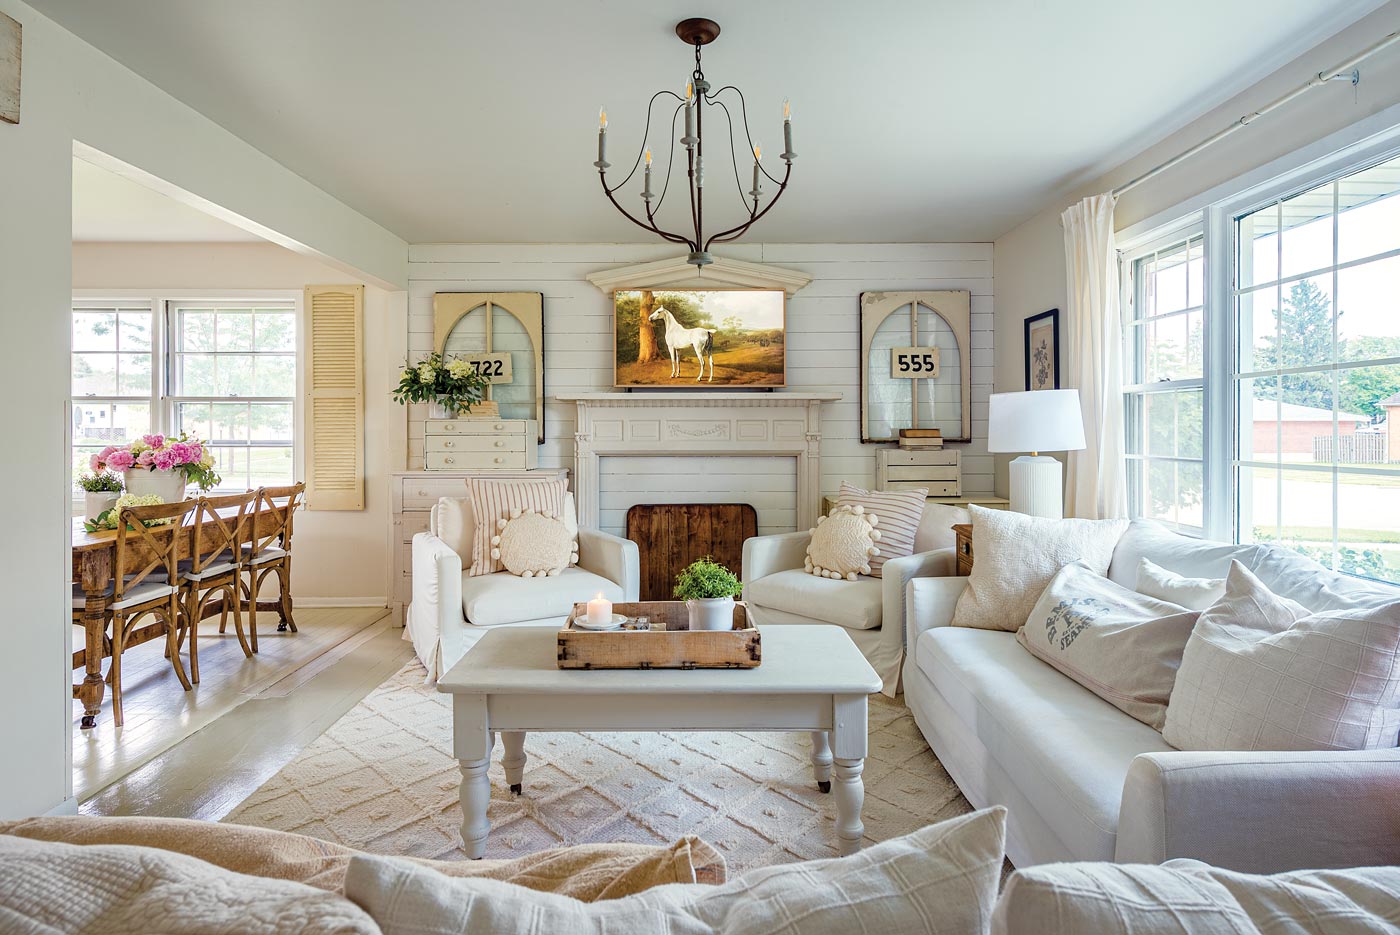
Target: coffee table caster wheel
[(282, 627), (824, 786), (515, 788), (89, 722)]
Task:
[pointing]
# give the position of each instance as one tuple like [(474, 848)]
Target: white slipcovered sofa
[(778, 590), (1084, 781), (451, 610)]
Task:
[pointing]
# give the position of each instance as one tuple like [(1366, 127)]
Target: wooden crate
[(676, 647)]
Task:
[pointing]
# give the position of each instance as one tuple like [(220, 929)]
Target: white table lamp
[(1036, 421)]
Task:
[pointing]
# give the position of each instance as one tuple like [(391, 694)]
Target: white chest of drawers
[(903, 469), (412, 495), (480, 445)]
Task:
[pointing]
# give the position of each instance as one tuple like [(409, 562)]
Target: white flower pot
[(168, 485), (437, 410), (95, 504), (711, 613)]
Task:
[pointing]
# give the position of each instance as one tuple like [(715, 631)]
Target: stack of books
[(920, 439)]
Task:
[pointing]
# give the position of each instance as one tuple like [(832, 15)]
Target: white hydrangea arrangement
[(454, 383), (107, 519)]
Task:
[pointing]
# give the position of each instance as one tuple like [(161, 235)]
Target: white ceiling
[(108, 207), (474, 120)]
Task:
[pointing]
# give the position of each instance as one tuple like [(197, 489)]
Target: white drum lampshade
[(1036, 421)]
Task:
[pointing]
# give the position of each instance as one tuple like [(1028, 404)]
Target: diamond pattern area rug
[(382, 779)]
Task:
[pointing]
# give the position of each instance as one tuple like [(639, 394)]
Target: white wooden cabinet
[(412, 495), (903, 469), (480, 445)]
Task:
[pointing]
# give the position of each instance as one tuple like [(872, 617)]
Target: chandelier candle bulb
[(689, 138), (757, 155), (646, 179), (602, 162), (787, 131)]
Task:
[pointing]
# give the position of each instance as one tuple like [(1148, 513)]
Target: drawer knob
[(500, 444), (448, 461), (447, 444), (497, 460), (422, 493), (500, 426)]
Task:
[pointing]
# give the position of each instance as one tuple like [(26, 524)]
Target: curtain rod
[(1345, 70)]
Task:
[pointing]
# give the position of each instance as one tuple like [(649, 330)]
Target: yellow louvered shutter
[(335, 398)]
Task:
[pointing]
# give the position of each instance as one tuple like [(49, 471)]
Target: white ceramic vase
[(98, 502), (437, 410), (168, 485), (711, 613)]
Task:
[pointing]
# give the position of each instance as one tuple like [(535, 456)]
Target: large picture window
[(1317, 373), (224, 371)]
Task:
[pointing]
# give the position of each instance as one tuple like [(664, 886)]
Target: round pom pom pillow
[(843, 543), (530, 544)]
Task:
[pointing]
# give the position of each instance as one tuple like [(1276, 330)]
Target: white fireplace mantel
[(699, 424)]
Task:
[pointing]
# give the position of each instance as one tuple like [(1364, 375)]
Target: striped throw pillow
[(899, 512), (494, 500)]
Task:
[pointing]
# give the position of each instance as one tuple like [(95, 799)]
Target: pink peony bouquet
[(180, 453)]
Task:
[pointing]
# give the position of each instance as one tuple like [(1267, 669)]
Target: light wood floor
[(198, 754)]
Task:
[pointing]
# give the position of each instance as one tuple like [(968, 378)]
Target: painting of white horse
[(701, 340), (731, 337)]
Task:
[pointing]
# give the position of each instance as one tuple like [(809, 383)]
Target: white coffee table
[(812, 679)]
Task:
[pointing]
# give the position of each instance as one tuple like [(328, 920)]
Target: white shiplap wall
[(823, 348)]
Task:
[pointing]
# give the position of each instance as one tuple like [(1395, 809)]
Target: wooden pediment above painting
[(678, 273), (915, 364)]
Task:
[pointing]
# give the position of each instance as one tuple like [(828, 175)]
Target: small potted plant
[(100, 492), (708, 589), (450, 386)]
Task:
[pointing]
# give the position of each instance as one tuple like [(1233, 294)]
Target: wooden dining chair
[(214, 569), (271, 552), (144, 566)]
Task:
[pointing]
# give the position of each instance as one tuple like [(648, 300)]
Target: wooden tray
[(676, 647)]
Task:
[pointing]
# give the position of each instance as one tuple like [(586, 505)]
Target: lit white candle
[(599, 611)]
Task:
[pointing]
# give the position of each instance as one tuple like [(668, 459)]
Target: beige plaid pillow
[(1261, 672)]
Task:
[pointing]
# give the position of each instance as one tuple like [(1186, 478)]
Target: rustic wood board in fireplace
[(670, 536)]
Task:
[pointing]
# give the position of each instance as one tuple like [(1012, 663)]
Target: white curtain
[(1097, 487)]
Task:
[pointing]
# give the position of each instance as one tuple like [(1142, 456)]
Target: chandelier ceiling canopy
[(689, 112)]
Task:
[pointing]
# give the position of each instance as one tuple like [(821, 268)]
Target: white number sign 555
[(914, 362)]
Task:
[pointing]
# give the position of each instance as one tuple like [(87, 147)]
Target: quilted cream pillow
[(1016, 556), (533, 543), (843, 544), (1262, 672), (942, 878)]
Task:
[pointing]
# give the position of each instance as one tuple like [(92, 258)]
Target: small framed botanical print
[(1043, 351)]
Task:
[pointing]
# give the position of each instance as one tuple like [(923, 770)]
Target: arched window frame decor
[(449, 308), (954, 307)]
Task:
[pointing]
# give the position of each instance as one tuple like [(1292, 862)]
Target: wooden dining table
[(94, 557)]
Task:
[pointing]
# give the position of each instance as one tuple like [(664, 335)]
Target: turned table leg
[(821, 759), (472, 741), (849, 742), (514, 758), (96, 572)]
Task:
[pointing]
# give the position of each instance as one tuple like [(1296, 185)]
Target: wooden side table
[(964, 547)]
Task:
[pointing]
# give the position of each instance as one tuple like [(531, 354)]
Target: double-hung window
[(1317, 372), (225, 372), (1164, 329)]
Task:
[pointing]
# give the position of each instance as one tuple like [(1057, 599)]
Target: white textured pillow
[(454, 522), (1140, 899), (495, 500), (843, 544), (1261, 672), (942, 879), (1016, 556), (936, 527), (1121, 645), (532, 543), (1191, 593), (900, 512)]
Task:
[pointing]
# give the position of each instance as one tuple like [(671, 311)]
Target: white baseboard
[(342, 602), (68, 806)]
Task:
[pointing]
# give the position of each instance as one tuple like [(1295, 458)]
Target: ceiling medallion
[(698, 98)]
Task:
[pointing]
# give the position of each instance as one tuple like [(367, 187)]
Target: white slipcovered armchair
[(450, 610), (778, 591)]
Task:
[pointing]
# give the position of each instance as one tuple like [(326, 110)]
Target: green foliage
[(1365, 563), (100, 482), (627, 309), (706, 578), (450, 381)]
